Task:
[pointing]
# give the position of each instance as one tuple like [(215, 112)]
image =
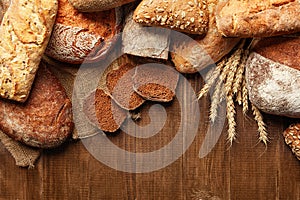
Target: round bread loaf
[(45, 119), (272, 75), (79, 37)]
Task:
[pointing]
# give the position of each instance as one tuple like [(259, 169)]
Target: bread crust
[(25, 31), (193, 55), (97, 5), (79, 37), (186, 16), (45, 119), (258, 18)]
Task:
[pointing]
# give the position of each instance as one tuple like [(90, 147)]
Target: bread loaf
[(25, 31), (257, 18), (97, 5), (191, 55), (103, 112), (155, 82), (79, 37), (186, 16), (272, 75), (45, 119), (292, 138), (120, 85)]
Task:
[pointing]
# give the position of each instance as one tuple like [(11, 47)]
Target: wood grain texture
[(247, 170)]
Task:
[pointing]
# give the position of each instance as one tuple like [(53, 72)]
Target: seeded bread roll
[(155, 82), (79, 37), (186, 16), (191, 55), (272, 72), (257, 18), (120, 85), (97, 5), (292, 138), (45, 119), (25, 31), (103, 112)]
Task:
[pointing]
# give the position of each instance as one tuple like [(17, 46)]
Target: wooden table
[(247, 170)]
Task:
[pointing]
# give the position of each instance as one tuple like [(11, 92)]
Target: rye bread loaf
[(257, 18), (103, 112), (79, 37), (273, 76), (120, 86), (97, 5), (155, 82), (185, 15), (45, 119), (191, 55), (25, 31)]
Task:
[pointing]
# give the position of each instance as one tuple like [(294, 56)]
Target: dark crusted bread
[(82, 36), (97, 5), (45, 119), (155, 82), (103, 112), (272, 72), (120, 85)]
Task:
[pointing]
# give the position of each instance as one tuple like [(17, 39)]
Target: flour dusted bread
[(103, 112), (45, 119), (257, 18), (79, 37), (273, 76), (156, 82), (97, 5), (184, 15), (25, 31), (191, 55), (120, 85)]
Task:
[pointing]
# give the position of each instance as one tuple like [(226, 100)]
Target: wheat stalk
[(216, 99), (231, 118), (240, 71), (212, 79), (263, 134), (245, 96)]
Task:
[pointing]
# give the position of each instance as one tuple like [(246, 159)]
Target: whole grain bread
[(191, 55), (155, 82), (257, 18), (292, 138), (45, 119), (120, 85), (186, 16), (103, 112), (272, 75), (97, 5), (25, 31), (79, 37)]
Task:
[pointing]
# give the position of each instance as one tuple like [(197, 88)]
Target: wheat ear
[(231, 118), (216, 99), (263, 134), (245, 96)]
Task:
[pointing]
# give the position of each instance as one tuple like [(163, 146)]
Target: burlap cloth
[(26, 156)]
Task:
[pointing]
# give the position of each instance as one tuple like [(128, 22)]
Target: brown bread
[(191, 55), (97, 5), (103, 112), (25, 31), (156, 82), (271, 74), (82, 36), (120, 85), (258, 18), (185, 15), (45, 119), (292, 138)]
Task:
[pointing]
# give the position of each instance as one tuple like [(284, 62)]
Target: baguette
[(25, 31), (257, 18)]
